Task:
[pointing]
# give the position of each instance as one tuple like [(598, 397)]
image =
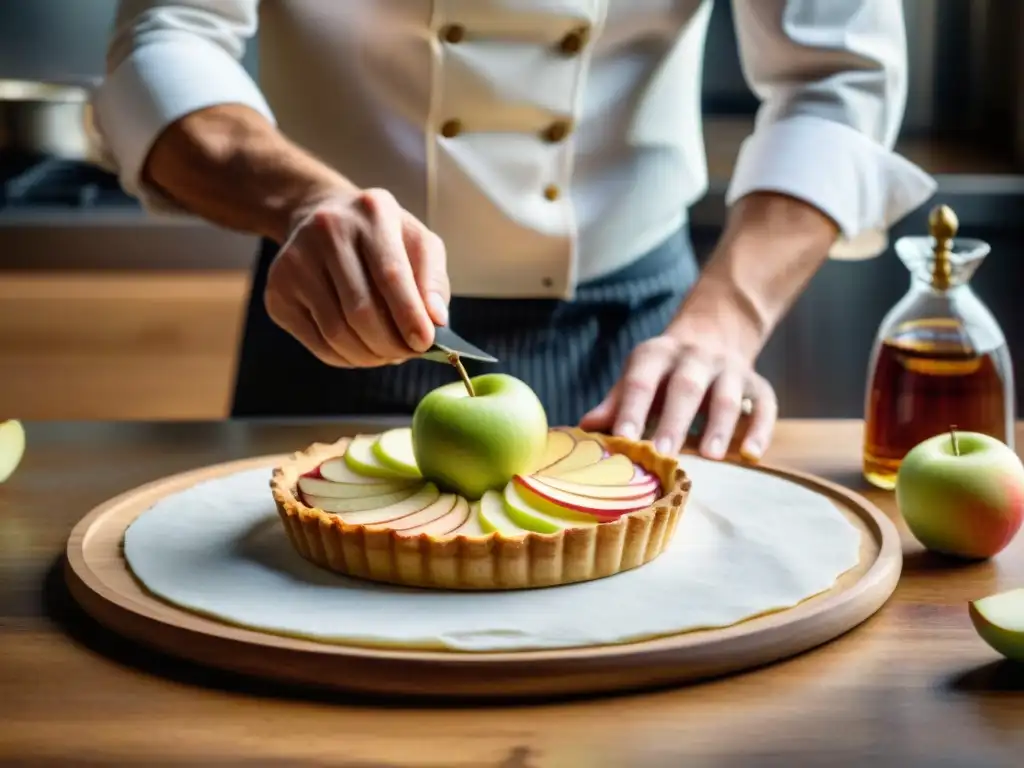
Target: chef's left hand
[(675, 373)]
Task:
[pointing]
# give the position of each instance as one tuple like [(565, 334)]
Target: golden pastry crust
[(492, 561)]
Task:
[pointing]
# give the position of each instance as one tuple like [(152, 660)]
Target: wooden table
[(913, 686)]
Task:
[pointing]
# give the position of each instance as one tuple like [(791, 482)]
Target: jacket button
[(573, 42), (451, 128), (453, 33), (557, 131), (551, 192)]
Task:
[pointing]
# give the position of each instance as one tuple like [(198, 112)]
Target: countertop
[(913, 686)]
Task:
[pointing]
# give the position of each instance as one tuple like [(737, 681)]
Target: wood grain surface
[(912, 686), (102, 583)]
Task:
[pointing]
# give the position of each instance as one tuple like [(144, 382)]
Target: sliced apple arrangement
[(479, 493), (577, 483)]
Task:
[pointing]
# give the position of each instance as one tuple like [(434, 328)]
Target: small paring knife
[(447, 342)]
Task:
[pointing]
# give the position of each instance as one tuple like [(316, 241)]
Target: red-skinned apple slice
[(583, 453), (314, 486), (375, 502), (338, 471), (432, 504), (532, 513), (552, 500), (445, 524), (627, 491), (617, 469)]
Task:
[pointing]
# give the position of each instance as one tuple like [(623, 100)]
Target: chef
[(521, 171)]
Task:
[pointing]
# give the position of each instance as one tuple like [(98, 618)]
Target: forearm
[(228, 164), (771, 247)]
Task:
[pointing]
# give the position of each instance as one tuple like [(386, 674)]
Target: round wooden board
[(99, 579)]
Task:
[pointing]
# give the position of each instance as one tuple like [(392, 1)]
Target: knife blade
[(446, 342)]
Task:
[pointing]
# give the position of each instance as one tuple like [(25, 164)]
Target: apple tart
[(589, 506)]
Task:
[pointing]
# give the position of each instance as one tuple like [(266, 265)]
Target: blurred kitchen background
[(107, 313)]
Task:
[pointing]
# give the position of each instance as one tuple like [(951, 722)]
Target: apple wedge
[(583, 453), (528, 515), (361, 458), (426, 505), (558, 502), (12, 447), (999, 620), (375, 502), (614, 470), (394, 450), (595, 491), (445, 524), (494, 515), (314, 486)]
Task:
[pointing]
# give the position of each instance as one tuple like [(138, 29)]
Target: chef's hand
[(675, 374), (359, 281)]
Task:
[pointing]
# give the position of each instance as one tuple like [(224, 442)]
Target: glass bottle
[(940, 359)]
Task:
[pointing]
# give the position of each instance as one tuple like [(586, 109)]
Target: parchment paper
[(748, 543)]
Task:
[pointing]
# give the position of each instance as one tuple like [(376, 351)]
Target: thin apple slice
[(314, 486), (472, 526), (617, 469), (558, 502), (394, 449), (560, 444), (440, 526), (529, 516), (494, 515), (999, 620), (583, 453), (12, 447), (378, 501), (431, 506), (627, 491), (361, 459), (338, 471)]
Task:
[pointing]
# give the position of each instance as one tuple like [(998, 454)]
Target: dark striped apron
[(569, 352)]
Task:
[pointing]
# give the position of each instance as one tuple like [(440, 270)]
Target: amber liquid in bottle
[(925, 380)]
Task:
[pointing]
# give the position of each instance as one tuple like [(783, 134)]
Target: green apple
[(962, 494), (362, 459), (394, 449), (12, 447), (473, 444), (999, 619)]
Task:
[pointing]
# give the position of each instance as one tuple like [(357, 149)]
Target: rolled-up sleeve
[(165, 60), (832, 79)]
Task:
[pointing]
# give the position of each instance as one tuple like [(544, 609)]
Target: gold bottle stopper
[(943, 225)]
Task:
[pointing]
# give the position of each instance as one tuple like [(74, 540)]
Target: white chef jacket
[(545, 141)]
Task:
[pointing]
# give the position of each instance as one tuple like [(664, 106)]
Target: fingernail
[(418, 342), (715, 447), (751, 450), (438, 308), (663, 445), (629, 431)]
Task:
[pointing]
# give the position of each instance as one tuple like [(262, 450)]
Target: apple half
[(999, 620), (12, 447)]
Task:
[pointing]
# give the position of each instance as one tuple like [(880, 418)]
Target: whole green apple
[(472, 444), (962, 494)]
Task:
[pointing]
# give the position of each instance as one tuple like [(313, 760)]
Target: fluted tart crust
[(471, 559)]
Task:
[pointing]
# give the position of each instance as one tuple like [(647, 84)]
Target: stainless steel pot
[(46, 118)]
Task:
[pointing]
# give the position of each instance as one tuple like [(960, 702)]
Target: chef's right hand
[(360, 281)]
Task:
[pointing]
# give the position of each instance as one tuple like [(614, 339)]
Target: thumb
[(429, 262)]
